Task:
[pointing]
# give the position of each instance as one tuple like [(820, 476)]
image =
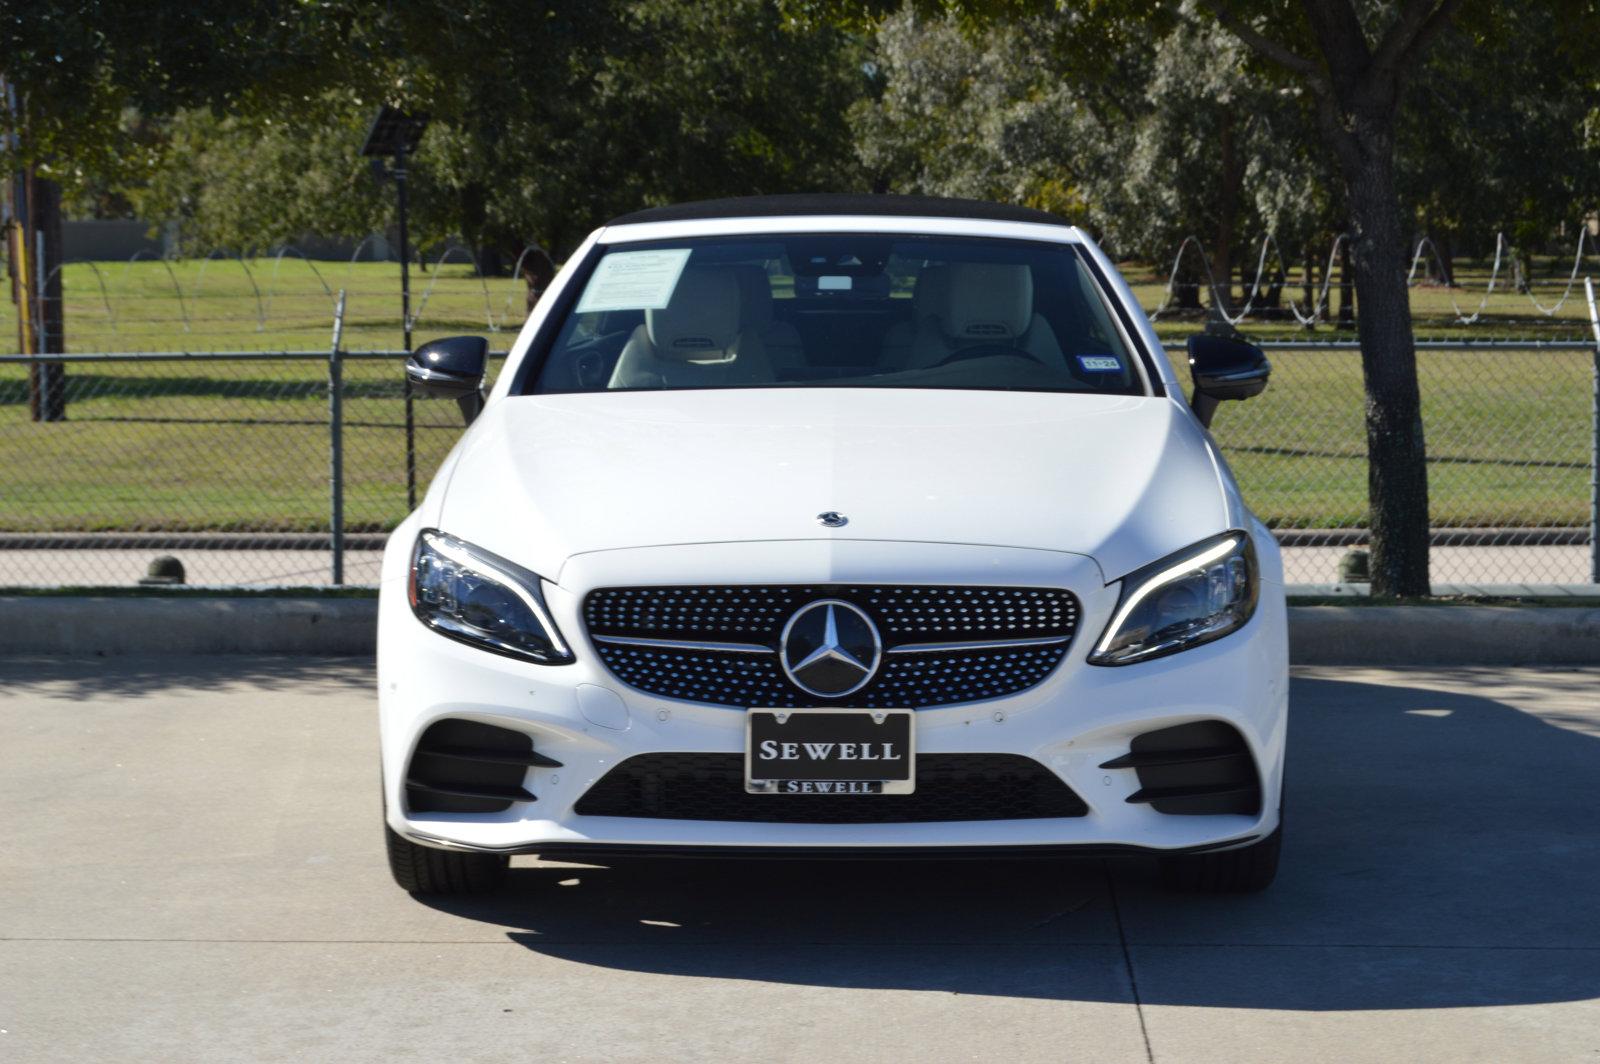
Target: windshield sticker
[(634, 280), (1099, 363)]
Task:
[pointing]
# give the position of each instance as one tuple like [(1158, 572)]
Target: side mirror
[(452, 368), (1224, 367)]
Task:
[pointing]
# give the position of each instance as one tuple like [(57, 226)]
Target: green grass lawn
[(1505, 312), (233, 445), (266, 305), (243, 445), (1508, 436)]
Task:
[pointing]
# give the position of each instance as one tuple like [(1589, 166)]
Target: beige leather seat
[(699, 340), (927, 294), (779, 339), (984, 303)]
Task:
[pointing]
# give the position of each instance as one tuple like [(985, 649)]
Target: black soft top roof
[(839, 204)]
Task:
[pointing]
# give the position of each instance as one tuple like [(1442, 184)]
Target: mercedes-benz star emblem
[(830, 648), (832, 519)]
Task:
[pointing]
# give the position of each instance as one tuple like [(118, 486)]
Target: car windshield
[(838, 310)]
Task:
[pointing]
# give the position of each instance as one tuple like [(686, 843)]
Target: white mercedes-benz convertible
[(834, 525)]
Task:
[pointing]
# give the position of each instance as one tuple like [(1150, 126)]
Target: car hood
[(1122, 479)]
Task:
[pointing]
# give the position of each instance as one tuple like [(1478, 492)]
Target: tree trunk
[(1357, 86), (1271, 296), (1191, 278), (538, 270), (1230, 178), (473, 202), (1397, 470), (1347, 287), (1445, 252), (52, 392), (39, 212), (1310, 290)]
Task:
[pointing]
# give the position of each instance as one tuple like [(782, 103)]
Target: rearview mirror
[(452, 368), (1224, 367)]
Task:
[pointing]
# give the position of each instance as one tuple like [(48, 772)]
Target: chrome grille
[(943, 645)]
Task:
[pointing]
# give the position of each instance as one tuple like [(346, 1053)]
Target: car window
[(838, 310)]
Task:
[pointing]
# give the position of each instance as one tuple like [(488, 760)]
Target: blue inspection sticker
[(1099, 363)]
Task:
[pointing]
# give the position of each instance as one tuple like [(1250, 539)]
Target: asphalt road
[(191, 870)]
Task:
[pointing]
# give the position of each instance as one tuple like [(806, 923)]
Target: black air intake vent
[(1199, 769), (464, 766), (950, 787)]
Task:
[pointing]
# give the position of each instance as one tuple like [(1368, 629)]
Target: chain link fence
[(222, 460), (1511, 436), (226, 462)]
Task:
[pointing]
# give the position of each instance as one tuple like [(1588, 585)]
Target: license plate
[(830, 751)]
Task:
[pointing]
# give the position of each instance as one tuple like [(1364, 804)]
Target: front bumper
[(1073, 722)]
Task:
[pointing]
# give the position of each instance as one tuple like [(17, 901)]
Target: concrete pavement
[(191, 870)]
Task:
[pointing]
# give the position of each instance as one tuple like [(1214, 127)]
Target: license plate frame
[(837, 775)]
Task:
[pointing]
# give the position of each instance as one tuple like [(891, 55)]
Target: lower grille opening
[(950, 787), (1198, 769), (465, 766)]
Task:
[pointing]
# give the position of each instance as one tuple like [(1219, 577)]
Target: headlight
[(1182, 601), (473, 596)]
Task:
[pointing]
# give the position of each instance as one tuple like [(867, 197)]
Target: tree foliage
[(1511, 105), (1126, 141), (1351, 61), (79, 65), (547, 119)]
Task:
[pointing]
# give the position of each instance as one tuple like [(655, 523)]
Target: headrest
[(987, 302), (755, 289), (928, 295), (701, 320)]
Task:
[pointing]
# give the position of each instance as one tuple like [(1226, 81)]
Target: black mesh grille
[(950, 787), (756, 615), (1198, 769), (463, 766)]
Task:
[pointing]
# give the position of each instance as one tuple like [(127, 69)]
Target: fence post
[(1594, 440), (336, 442)]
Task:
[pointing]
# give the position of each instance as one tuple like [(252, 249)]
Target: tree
[(1509, 108), (1353, 62), (1170, 135), (242, 182), (79, 64), (984, 116), (546, 121), (1356, 84), (72, 67)]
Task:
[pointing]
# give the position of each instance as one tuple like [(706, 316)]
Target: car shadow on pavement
[(1441, 852), (138, 676)]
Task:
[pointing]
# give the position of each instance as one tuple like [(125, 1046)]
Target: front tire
[(425, 870), (1245, 870)]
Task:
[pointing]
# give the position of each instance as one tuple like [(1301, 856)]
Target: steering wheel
[(987, 351)]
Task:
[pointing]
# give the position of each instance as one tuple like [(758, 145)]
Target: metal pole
[(405, 321), (17, 219), (1594, 441), (20, 265), (336, 443)]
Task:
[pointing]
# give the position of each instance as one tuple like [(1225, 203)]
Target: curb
[(98, 626), (1444, 635), (91, 626)]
